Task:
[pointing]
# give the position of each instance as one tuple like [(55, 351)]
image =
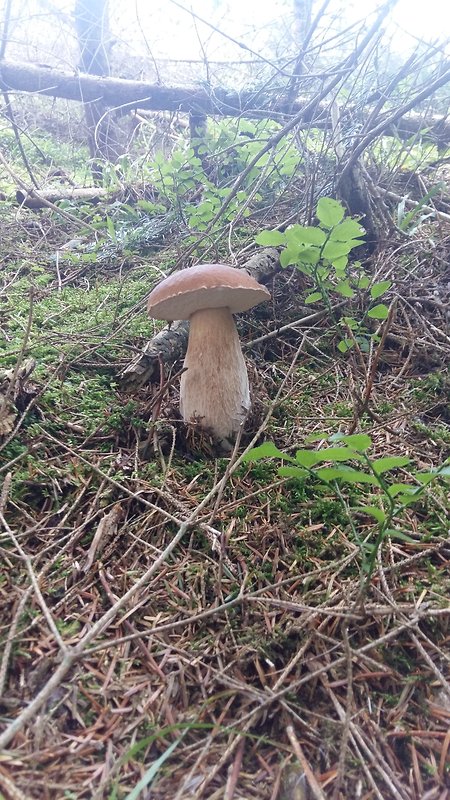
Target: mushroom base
[(214, 388)]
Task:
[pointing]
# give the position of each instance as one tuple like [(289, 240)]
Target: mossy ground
[(256, 621)]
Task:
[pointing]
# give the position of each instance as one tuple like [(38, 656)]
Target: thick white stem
[(214, 387)]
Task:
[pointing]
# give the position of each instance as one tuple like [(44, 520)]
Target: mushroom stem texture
[(214, 387)]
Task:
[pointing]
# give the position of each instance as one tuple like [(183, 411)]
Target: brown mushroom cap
[(205, 286)]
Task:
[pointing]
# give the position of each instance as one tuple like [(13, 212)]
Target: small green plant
[(195, 180), (347, 461), (410, 221), (322, 253)]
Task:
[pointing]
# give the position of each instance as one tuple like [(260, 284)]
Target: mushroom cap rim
[(205, 286)]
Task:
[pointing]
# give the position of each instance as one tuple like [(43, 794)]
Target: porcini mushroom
[(214, 386)]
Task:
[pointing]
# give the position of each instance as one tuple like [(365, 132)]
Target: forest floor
[(175, 625)]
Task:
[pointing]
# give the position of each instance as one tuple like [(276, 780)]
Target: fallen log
[(169, 345), (128, 94), (33, 200)]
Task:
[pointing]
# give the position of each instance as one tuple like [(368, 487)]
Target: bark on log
[(216, 102), (169, 345), (90, 195)]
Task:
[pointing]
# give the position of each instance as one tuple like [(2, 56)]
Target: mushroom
[(214, 386)]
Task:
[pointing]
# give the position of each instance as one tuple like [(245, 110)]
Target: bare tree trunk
[(302, 32), (91, 22)]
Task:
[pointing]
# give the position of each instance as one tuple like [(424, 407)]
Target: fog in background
[(145, 37)]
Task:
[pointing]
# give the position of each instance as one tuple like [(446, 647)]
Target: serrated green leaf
[(266, 450), (344, 288), (430, 475), (359, 441), (347, 230), (329, 211), (379, 288), (337, 454), (307, 458), (373, 511), (378, 312), (409, 499), (270, 238), (313, 298), (346, 475), (381, 465), (299, 234), (397, 488), (335, 250), (308, 255), (425, 478), (293, 472)]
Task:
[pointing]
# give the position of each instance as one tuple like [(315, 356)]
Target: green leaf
[(398, 488), (425, 478), (313, 298), (308, 255), (270, 238), (289, 256), (363, 282), (345, 345), (340, 264), (346, 475), (409, 499), (337, 454), (363, 343), (379, 288), (347, 230), (316, 437), (334, 250), (152, 771), (373, 511), (430, 475), (344, 288), (378, 312), (443, 471), (305, 268), (266, 450), (110, 228), (329, 211), (394, 534), (293, 472), (299, 234), (307, 458), (351, 323), (381, 465), (359, 441)]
